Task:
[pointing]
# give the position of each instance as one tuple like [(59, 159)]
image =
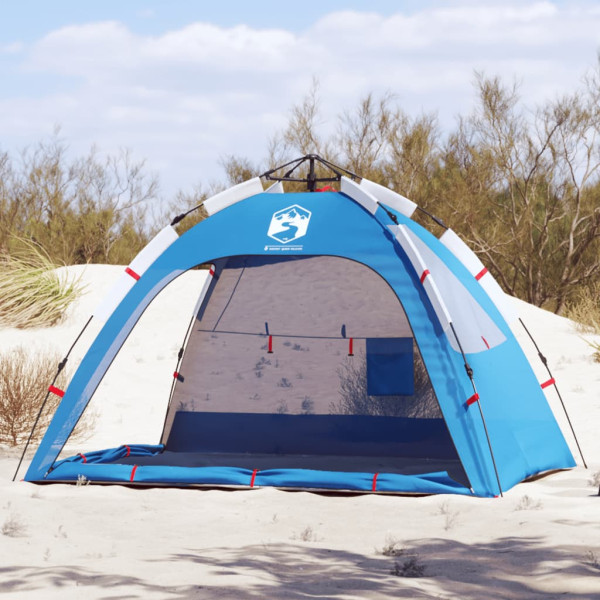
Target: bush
[(24, 381), (411, 567), (33, 293), (584, 309)]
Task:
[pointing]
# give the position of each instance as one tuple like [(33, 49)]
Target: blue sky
[(185, 83), (27, 19)]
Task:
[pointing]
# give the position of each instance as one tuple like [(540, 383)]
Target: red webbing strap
[(481, 273), (83, 457), (548, 383), (485, 342), (211, 272), (54, 390), (351, 347), (374, 487), (424, 275), (326, 188), (270, 351), (253, 477), (132, 273), (472, 399), (175, 375), (133, 472), (128, 450)]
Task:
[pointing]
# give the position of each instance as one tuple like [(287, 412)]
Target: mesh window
[(343, 378)]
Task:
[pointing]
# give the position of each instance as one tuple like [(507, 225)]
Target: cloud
[(13, 48), (184, 97)]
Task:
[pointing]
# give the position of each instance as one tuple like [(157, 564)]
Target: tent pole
[(61, 366), (179, 358), (469, 371), (545, 362)]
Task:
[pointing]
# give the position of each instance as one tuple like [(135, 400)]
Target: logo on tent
[(289, 224)]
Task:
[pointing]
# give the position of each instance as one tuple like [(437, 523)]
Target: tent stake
[(545, 363), (61, 366), (469, 371)]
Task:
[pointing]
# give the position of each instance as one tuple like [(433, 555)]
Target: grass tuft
[(33, 293), (392, 547), (24, 381), (528, 503), (13, 527), (411, 567)]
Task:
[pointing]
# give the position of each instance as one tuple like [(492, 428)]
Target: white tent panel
[(238, 192), (276, 188), (476, 331), (392, 199), (364, 198), (204, 290), (487, 281), (157, 245), (427, 279)]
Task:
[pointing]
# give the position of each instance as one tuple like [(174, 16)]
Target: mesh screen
[(324, 315)]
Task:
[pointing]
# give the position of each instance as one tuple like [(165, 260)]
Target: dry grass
[(585, 310), (24, 381), (33, 293), (13, 527)]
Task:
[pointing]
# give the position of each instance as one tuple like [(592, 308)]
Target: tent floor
[(348, 464)]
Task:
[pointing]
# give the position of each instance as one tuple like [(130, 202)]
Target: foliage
[(584, 309), (81, 210), (33, 293)]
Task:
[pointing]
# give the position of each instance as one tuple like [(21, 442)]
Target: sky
[(183, 84)]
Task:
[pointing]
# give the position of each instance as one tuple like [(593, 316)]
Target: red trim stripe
[(270, 351), (133, 472), (374, 487), (548, 383), (485, 342), (128, 450), (54, 390), (253, 477), (83, 457), (424, 275), (474, 398), (351, 347), (481, 273), (132, 273)]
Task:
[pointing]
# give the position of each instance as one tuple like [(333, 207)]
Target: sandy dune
[(542, 540)]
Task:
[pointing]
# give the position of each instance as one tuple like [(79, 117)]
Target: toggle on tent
[(376, 356)]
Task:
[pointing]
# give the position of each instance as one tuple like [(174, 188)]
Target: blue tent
[(376, 357)]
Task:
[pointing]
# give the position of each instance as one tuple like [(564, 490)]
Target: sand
[(542, 540)]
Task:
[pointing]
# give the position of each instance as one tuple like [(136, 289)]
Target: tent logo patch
[(289, 224)]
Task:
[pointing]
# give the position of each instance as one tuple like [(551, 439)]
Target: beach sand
[(541, 540)]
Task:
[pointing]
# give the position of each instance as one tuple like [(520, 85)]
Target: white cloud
[(13, 48), (187, 96)]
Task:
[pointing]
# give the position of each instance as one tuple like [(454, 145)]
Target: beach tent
[(336, 345)]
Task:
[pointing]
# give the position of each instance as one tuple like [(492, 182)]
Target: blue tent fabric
[(100, 467), (524, 435)]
